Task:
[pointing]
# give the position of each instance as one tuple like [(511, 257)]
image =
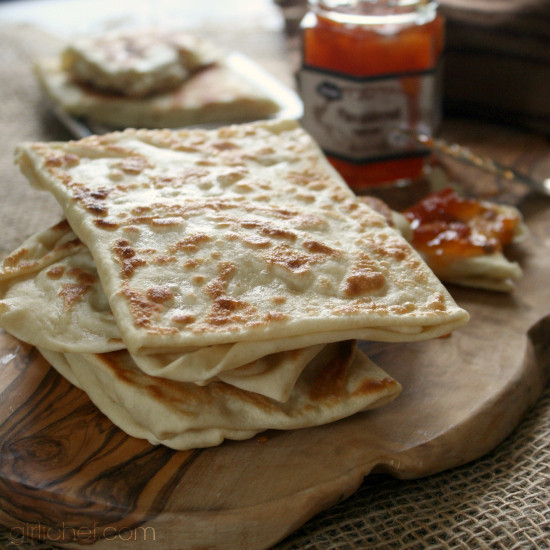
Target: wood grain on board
[(68, 476)]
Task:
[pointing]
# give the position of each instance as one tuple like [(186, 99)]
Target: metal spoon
[(465, 155)]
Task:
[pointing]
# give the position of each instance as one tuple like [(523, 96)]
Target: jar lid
[(375, 11)]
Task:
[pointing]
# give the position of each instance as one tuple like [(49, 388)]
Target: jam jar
[(370, 82)]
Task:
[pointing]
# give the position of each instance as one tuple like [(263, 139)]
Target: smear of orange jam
[(446, 225)]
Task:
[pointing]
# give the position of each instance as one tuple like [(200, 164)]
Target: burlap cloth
[(500, 501)]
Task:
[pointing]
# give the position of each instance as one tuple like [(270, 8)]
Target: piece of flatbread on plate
[(239, 234), (146, 79), (137, 62)]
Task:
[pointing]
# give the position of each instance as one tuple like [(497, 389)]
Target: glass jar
[(369, 77)]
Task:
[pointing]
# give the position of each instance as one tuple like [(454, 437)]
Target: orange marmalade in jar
[(369, 77)]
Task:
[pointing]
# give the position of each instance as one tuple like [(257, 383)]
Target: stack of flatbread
[(211, 284), (151, 78)]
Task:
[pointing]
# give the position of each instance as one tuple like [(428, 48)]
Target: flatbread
[(243, 234), (213, 95), (50, 295), (337, 383), (51, 298), (489, 272), (211, 284), (137, 62)]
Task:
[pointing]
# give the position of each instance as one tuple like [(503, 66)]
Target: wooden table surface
[(256, 29)]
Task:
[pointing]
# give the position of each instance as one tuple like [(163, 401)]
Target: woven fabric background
[(500, 501), (23, 116)]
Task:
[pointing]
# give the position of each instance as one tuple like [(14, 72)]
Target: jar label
[(356, 119)]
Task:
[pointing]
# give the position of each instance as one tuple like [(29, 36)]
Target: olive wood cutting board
[(68, 476)]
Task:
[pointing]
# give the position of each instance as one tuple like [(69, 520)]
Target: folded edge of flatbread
[(336, 384)]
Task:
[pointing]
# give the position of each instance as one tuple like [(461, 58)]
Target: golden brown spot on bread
[(16, 260), (403, 309), (304, 197), (163, 259), (316, 247), (395, 249), (437, 302), (141, 308), (330, 380), (183, 319), (290, 259), (159, 294), (15, 257), (191, 264), (275, 316), (72, 292), (69, 245), (364, 278), (126, 256), (130, 229), (257, 241), (231, 177), (225, 145), (133, 165), (269, 230), (91, 199), (58, 159), (56, 272), (363, 282), (205, 162), (113, 359), (63, 225), (190, 244), (106, 224), (229, 304), (371, 386), (303, 178), (82, 276), (228, 311), (216, 287), (244, 187)]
